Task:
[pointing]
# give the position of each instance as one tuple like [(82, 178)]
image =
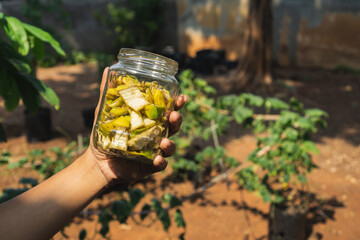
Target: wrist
[(101, 162), (92, 163)]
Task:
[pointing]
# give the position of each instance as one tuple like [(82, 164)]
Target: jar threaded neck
[(138, 58)]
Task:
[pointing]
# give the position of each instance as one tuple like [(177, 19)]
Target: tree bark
[(254, 69)]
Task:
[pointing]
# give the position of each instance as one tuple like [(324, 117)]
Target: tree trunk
[(254, 69)]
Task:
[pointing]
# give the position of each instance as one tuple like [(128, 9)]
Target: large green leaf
[(20, 65), (44, 36), (29, 94), (8, 52), (14, 30), (46, 92), (37, 48)]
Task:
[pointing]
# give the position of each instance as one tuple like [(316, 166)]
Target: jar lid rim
[(143, 53)]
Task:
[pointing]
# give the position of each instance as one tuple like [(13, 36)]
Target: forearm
[(40, 212)]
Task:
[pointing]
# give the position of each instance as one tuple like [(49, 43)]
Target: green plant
[(148, 20), (204, 119), (282, 158), (138, 24), (16, 72), (117, 22), (34, 12)]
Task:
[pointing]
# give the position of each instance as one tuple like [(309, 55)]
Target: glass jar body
[(138, 96)]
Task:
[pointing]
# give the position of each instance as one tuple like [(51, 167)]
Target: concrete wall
[(211, 24), (317, 33), (307, 33), (86, 33)]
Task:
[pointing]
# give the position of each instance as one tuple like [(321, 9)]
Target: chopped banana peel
[(134, 98), (136, 120), (132, 120)]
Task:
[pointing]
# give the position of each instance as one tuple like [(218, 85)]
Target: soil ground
[(222, 213)]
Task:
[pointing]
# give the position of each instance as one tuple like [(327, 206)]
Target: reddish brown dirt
[(222, 213)]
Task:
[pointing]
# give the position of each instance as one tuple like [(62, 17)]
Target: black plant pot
[(88, 117), (38, 125), (287, 224)]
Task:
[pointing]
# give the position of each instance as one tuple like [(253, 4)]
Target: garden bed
[(223, 213)]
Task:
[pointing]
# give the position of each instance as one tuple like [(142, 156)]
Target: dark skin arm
[(43, 210)]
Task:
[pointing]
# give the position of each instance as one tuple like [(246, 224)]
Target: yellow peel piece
[(116, 112), (136, 120), (134, 98)]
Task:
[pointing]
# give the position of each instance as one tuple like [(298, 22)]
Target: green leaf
[(296, 104), (278, 199), (156, 205), (135, 196), (266, 195), (44, 36), (179, 220), (82, 234), (171, 200), (2, 134), (164, 217), (46, 92), (29, 95), (309, 146), (275, 104), (13, 165), (14, 30), (305, 124), (316, 113), (122, 209), (228, 101), (21, 66), (253, 99), (38, 48), (145, 210), (209, 90), (200, 82), (241, 113)]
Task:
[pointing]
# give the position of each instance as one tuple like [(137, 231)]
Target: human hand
[(124, 171)]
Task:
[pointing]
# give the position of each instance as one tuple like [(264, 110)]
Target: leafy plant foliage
[(282, 158), (279, 164), (17, 80)]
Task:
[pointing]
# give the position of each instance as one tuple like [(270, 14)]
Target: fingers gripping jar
[(139, 94)]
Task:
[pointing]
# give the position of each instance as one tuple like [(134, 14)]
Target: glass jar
[(139, 94)]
